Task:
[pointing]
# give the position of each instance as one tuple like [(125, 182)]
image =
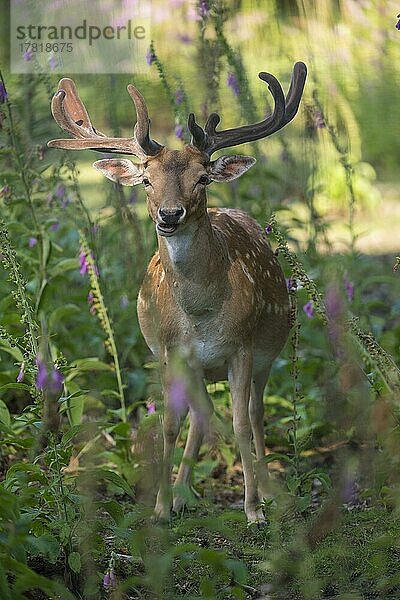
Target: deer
[(214, 290)]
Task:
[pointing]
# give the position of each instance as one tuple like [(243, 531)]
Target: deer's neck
[(193, 262)]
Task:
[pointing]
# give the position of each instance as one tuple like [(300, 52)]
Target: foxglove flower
[(179, 132), (55, 226), (52, 62), (179, 96), (32, 242), (41, 378), (309, 309), (184, 38), (5, 191), (133, 197), (124, 301), (291, 284), (178, 395), (204, 9), (109, 580), (151, 407), (3, 93), (150, 57), (349, 289), (83, 263), (21, 374), (233, 83), (55, 381)]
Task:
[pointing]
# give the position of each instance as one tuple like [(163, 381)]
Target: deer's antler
[(71, 115), (209, 140)]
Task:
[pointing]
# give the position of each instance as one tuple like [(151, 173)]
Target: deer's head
[(175, 180)]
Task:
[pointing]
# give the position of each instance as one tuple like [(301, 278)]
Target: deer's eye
[(204, 180)]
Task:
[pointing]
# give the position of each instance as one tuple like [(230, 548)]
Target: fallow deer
[(214, 287)]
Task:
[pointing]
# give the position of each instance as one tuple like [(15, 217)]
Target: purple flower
[(83, 263), (150, 56), (124, 301), (309, 309), (3, 93), (184, 38), (109, 580), (179, 96), (151, 407), (60, 191), (53, 62), (133, 196), (349, 289), (268, 229), (41, 378), (106, 580), (398, 23), (291, 284), (333, 303), (233, 83), (284, 156), (5, 191), (178, 395), (204, 9), (55, 226), (27, 55), (179, 132), (21, 374), (55, 381), (32, 242)]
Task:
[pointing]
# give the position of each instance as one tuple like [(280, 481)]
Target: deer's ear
[(121, 170), (226, 168)]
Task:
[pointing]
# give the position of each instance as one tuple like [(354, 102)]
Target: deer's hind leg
[(256, 413), (240, 379)]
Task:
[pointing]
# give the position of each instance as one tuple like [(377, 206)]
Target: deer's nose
[(171, 216)]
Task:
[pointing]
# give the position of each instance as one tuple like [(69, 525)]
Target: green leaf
[(304, 502), (14, 386), (47, 545), (13, 351), (114, 509), (5, 592), (4, 414), (83, 365), (116, 479), (277, 456), (61, 312), (74, 561), (67, 264)]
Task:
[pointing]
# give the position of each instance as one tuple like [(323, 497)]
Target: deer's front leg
[(171, 425), (200, 413), (240, 373)]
